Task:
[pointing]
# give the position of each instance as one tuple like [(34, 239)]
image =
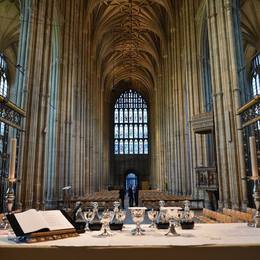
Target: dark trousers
[(123, 203), (131, 201), (136, 201)]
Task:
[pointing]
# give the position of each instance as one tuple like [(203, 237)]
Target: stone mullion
[(66, 84), (241, 193), (83, 86), (91, 121), (95, 135), (224, 200), (227, 101), (33, 93), (196, 96), (81, 106), (192, 96), (100, 136), (165, 108), (215, 77), (60, 112), (153, 137), (70, 90), (106, 119), (164, 116), (190, 88), (180, 101), (23, 52), (23, 60), (27, 167), (76, 102), (175, 91), (97, 132), (171, 116), (45, 99), (169, 121), (159, 119), (66, 94), (160, 140), (158, 126), (88, 120), (33, 167), (173, 105), (186, 104), (231, 146)]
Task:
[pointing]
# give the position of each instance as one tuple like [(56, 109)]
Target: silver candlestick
[(9, 197), (256, 196), (9, 201)]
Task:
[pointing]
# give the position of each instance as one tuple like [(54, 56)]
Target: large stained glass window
[(256, 75), (131, 124), (3, 76)]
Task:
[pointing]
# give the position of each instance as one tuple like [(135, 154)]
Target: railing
[(250, 112), (12, 117), (250, 119), (207, 178), (11, 114)]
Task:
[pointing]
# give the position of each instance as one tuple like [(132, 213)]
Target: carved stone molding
[(203, 123)]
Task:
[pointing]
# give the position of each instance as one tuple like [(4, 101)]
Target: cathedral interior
[(97, 93)]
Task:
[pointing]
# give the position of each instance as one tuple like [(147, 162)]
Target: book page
[(30, 221), (56, 220)]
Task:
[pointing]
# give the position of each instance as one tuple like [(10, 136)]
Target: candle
[(253, 156), (12, 160)]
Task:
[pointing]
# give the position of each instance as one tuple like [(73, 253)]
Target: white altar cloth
[(205, 242), (202, 234)]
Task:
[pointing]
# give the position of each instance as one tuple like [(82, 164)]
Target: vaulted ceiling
[(250, 25), (129, 37), (9, 33)]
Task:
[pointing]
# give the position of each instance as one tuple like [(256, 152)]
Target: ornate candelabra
[(9, 202), (9, 197), (256, 196), (173, 216)]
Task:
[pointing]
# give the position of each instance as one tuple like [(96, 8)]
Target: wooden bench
[(219, 217), (238, 216)]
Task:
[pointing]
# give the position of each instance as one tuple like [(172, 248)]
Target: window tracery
[(131, 124)]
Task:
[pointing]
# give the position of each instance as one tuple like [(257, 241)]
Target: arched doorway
[(131, 180)]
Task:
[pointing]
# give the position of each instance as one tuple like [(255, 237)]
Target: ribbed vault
[(128, 37), (250, 26)]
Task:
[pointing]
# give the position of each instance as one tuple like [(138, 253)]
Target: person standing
[(130, 196), (136, 195), (122, 196)]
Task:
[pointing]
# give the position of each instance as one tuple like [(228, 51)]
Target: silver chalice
[(107, 216), (138, 217), (88, 215), (152, 215)]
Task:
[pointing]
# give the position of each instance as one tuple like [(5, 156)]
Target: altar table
[(205, 241)]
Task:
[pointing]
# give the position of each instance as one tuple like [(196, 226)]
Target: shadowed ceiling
[(9, 34), (250, 25)]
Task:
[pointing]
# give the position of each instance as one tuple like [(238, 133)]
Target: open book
[(32, 221)]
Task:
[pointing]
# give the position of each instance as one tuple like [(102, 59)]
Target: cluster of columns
[(62, 144), (68, 119), (180, 96)]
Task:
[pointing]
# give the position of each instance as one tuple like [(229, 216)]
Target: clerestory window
[(3, 76)]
